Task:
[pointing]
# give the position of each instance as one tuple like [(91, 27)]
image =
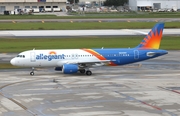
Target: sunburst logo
[(152, 40), (52, 53)]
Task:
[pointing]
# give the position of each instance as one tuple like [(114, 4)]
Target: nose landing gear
[(32, 72)]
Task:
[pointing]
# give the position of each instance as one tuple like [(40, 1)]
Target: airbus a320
[(71, 61)]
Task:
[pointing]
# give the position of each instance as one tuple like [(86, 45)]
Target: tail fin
[(153, 39)]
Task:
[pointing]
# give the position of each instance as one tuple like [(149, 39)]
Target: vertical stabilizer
[(153, 39)]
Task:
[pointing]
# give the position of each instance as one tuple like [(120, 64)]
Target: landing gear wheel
[(31, 73), (88, 73), (82, 71)]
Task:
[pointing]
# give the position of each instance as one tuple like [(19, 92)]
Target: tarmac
[(149, 88), (76, 33)]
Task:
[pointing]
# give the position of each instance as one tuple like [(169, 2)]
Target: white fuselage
[(52, 58)]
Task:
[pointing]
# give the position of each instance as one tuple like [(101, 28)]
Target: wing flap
[(85, 63), (89, 62)]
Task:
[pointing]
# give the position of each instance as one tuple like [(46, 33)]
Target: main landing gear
[(88, 72), (83, 71), (32, 72)]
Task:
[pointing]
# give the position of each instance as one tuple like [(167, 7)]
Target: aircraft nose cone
[(13, 62)]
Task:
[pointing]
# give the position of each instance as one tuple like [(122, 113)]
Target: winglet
[(153, 39)]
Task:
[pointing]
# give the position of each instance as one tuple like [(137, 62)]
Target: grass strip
[(82, 25), (8, 66), (97, 15), (11, 45)]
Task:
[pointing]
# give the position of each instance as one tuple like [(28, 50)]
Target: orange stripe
[(112, 64), (99, 56)]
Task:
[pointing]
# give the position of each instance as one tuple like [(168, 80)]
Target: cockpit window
[(20, 56)]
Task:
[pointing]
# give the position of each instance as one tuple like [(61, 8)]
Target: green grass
[(2, 17), (133, 15), (82, 25), (97, 15), (8, 66), (19, 45)]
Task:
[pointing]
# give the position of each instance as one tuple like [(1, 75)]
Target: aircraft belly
[(48, 63), (42, 63)]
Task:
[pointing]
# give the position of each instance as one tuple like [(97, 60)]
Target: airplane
[(71, 61)]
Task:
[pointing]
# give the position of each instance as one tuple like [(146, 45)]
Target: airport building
[(137, 5), (95, 2), (48, 5), (90, 1)]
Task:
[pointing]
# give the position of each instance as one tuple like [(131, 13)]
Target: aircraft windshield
[(20, 56)]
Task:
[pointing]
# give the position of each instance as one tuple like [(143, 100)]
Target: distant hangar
[(137, 5), (9, 5)]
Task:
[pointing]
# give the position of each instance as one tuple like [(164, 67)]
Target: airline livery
[(71, 61)]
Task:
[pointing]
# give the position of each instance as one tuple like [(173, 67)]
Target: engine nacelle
[(70, 68), (58, 69)]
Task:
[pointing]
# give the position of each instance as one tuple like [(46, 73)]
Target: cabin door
[(136, 54), (33, 57)]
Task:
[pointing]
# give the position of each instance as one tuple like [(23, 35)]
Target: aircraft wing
[(92, 63), (86, 63), (89, 62)]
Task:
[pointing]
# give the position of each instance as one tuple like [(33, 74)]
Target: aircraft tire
[(82, 71), (31, 73), (88, 73)]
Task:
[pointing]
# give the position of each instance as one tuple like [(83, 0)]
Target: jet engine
[(70, 68)]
